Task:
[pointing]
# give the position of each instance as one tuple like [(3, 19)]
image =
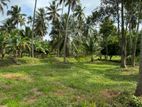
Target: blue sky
[(28, 5)]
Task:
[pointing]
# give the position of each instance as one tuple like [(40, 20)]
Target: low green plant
[(127, 100)]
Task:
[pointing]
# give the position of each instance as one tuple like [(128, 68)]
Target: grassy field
[(50, 83)]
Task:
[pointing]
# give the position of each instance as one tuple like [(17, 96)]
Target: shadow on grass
[(83, 72), (8, 62), (110, 71), (120, 77)]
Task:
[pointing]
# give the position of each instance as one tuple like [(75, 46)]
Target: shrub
[(127, 100)]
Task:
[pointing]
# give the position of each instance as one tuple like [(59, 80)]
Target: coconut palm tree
[(90, 43), (57, 34), (79, 12), (71, 5), (52, 12), (40, 23), (24, 44), (35, 6), (80, 16), (29, 20), (4, 36), (16, 16), (62, 2), (8, 25), (2, 4), (53, 16)]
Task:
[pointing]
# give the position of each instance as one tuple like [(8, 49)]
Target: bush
[(28, 60), (127, 100)]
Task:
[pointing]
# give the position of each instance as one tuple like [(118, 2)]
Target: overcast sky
[(28, 5)]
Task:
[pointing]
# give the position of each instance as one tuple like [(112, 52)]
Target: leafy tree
[(41, 48), (4, 37), (90, 43), (107, 29), (138, 91)]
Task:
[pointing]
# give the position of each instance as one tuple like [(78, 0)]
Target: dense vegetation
[(57, 72)]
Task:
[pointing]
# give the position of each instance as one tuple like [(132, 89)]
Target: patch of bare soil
[(16, 76), (110, 94), (6, 86), (33, 96), (3, 106)]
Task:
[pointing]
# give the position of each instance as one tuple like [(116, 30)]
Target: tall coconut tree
[(71, 6), (52, 12), (79, 12), (138, 91), (2, 4), (54, 17), (80, 16), (41, 23), (16, 16), (57, 37), (8, 25), (35, 6)]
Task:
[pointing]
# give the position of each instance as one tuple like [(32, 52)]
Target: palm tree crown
[(53, 10), (3, 3), (40, 23), (16, 15)]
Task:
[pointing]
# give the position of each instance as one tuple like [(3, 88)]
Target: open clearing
[(64, 85)]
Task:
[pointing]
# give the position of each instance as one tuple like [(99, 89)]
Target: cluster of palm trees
[(72, 33), (67, 27), (16, 32)]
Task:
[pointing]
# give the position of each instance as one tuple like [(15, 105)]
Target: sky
[(28, 5)]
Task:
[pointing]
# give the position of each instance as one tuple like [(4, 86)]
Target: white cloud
[(90, 5)]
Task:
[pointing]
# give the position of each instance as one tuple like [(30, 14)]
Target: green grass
[(50, 83)]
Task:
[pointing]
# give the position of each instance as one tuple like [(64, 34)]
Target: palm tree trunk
[(58, 52), (106, 46), (66, 34), (62, 12), (33, 28), (134, 47), (123, 41), (138, 91), (92, 58), (3, 53), (118, 22)]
